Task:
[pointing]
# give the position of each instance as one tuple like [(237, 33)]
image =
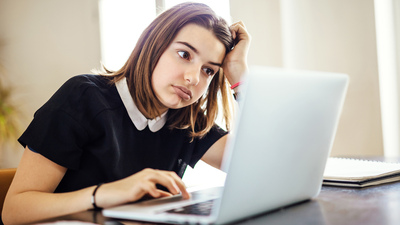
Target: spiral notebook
[(359, 173)]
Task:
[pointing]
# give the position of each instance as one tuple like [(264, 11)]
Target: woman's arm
[(31, 198), (215, 153), (234, 67), (28, 198)]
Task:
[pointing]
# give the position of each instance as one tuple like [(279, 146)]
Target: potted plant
[(9, 118), (8, 114)]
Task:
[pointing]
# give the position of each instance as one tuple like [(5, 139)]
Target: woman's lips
[(183, 92)]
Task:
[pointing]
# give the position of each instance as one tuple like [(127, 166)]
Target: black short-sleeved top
[(86, 128)]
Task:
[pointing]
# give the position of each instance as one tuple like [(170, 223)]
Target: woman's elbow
[(8, 215)]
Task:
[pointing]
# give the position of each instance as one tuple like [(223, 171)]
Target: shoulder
[(86, 84), (83, 92), (85, 81)]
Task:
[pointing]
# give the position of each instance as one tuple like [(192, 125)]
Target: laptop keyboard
[(201, 208)]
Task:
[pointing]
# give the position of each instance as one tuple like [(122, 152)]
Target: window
[(121, 23), (387, 18)]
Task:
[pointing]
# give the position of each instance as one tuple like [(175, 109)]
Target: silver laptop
[(277, 154)]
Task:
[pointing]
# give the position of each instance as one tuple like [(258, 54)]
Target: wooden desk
[(334, 205)]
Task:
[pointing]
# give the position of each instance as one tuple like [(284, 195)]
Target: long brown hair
[(200, 116)]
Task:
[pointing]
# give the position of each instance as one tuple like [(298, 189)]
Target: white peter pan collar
[(138, 119)]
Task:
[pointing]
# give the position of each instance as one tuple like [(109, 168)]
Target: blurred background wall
[(42, 44), (329, 35)]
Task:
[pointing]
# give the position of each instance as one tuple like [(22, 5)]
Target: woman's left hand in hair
[(235, 62)]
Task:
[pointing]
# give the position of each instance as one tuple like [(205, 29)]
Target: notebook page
[(355, 169)]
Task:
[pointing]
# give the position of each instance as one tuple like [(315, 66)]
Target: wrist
[(235, 88), (236, 85), (93, 198)]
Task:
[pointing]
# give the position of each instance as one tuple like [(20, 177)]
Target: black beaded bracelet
[(94, 197)]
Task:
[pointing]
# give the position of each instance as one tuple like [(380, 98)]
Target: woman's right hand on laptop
[(136, 186)]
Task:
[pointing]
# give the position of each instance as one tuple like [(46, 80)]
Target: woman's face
[(187, 67)]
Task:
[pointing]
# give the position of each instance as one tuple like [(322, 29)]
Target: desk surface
[(334, 205)]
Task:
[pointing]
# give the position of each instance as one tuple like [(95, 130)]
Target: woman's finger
[(181, 185), (171, 181), (239, 32)]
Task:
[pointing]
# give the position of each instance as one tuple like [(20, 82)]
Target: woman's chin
[(178, 105)]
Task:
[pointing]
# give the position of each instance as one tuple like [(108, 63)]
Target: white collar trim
[(138, 119)]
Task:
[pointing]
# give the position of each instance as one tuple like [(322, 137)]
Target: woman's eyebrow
[(189, 46), (197, 52)]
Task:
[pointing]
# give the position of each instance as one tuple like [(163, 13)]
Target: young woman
[(104, 140)]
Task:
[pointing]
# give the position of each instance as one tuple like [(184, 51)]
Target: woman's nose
[(192, 76)]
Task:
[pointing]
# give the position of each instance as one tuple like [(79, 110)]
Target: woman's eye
[(209, 72), (184, 54)]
